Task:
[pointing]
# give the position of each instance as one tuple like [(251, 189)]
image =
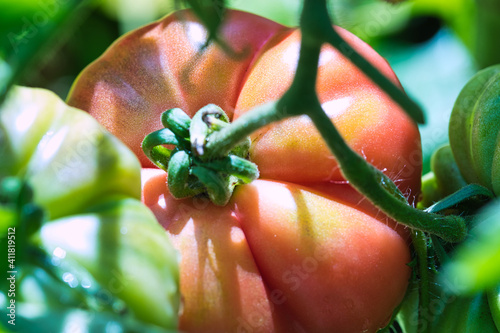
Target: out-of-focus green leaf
[(486, 48), (25, 29), (31, 319), (475, 265), (132, 14), (125, 249), (90, 235), (459, 15), (286, 12), (447, 311), (433, 73), (371, 19), (494, 302)]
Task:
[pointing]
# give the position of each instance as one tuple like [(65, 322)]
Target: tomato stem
[(420, 243), (317, 27), (221, 142), (380, 190), (301, 98), (397, 95)]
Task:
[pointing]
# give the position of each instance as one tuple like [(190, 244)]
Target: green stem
[(411, 108), (221, 142), (419, 241), (316, 23), (380, 190), (301, 98), (303, 85)]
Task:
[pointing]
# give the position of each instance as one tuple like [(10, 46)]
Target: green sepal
[(448, 176), (242, 148), (201, 128), (190, 172), (152, 145), (177, 121), (218, 187), (241, 168), (180, 183)]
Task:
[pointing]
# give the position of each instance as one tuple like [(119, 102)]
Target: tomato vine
[(301, 98)]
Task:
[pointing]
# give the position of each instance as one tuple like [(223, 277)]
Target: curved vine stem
[(419, 241), (378, 188), (411, 108)]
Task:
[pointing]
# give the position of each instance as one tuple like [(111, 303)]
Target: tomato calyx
[(179, 149)]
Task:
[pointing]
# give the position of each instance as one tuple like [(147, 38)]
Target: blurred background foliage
[(434, 46)]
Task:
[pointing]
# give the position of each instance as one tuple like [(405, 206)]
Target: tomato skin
[(220, 282), (234, 273), (326, 260), (288, 255), (157, 68), (371, 123)]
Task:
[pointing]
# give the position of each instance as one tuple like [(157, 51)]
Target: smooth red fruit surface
[(282, 258)]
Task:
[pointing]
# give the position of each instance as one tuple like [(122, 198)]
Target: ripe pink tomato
[(298, 250)]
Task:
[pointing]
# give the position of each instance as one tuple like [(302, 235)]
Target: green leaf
[(475, 265), (27, 29), (120, 243), (76, 320), (447, 310), (494, 302)]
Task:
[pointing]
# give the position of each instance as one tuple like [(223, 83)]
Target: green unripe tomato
[(474, 129), (95, 234)]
